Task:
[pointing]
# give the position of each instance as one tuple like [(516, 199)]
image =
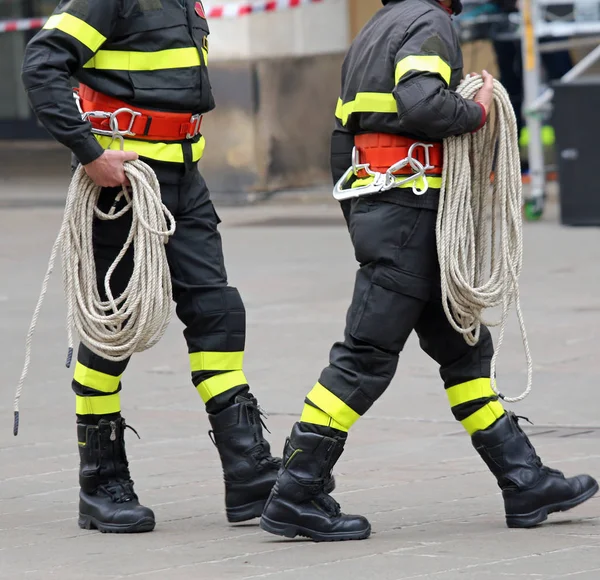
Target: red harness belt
[(382, 150), (136, 122)]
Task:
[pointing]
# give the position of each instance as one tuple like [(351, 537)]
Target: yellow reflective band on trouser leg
[(484, 418), (216, 361), (315, 416), (475, 390), (96, 380), (470, 391), (220, 383), (333, 406), (100, 405), (168, 152)]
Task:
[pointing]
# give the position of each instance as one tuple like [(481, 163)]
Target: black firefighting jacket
[(400, 76), (149, 53)]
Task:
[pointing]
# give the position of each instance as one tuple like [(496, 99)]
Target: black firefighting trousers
[(213, 312), (397, 290)]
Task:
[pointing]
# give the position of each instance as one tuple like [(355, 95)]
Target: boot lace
[(259, 451), (120, 491), (120, 485), (536, 458), (327, 504)]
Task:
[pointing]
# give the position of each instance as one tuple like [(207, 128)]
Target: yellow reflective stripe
[(483, 418), (366, 103), (433, 182), (145, 61), (95, 379), (333, 406), (169, 152), (216, 361), (205, 55), (315, 416), (470, 391), (76, 28), (339, 108), (97, 405), (220, 383), (429, 63)]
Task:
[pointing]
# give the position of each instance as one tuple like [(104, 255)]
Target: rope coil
[(467, 237), (135, 320)]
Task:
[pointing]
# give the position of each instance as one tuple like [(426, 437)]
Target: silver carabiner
[(340, 194)]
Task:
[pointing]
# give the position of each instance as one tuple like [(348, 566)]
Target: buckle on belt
[(195, 121), (385, 181), (113, 122)]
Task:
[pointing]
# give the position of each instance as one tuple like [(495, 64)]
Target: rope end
[(16, 424), (69, 357)]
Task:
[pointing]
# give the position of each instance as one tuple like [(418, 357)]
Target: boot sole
[(291, 531), (538, 516), (91, 523), (246, 512)]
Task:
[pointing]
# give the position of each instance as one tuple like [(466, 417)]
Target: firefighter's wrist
[(483, 116), (88, 150)]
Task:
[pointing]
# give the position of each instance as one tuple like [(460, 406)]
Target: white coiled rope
[(479, 223), (135, 320)]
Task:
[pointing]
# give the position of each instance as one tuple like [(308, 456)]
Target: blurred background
[(276, 78)]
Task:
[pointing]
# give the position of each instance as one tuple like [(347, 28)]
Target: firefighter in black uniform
[(146, 62), (398, 88)]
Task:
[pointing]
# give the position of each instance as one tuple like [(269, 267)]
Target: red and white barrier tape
[(21, 24), (234, 10)]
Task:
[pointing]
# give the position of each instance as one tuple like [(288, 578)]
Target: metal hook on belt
[(375, 186), (113, 122), (385, 181), (419, 169)]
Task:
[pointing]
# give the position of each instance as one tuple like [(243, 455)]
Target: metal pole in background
[(534, 204)]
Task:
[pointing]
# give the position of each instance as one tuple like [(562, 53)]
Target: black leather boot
[(107, 501), (530, 490), (299, 504), (249, 470)]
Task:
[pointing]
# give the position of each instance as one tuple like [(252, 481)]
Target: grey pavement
[(436, 511)]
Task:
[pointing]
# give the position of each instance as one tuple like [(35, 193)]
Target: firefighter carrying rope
[(399, 101), (142, 68)]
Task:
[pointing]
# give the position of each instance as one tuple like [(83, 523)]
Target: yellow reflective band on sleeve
[(145, 61), (95, 379), (220, 383), (205, 55), (429, 63), (483, 418), (97, 405), (315, 416), (470, 391), (216, 361), (366, 103), (433, 182), (76, 28), (325, 400), (169, 152)]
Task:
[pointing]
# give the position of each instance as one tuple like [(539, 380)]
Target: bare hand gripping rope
[(137, 319), (466, 235)]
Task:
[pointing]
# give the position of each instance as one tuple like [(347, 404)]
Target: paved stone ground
[(436, 512)]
